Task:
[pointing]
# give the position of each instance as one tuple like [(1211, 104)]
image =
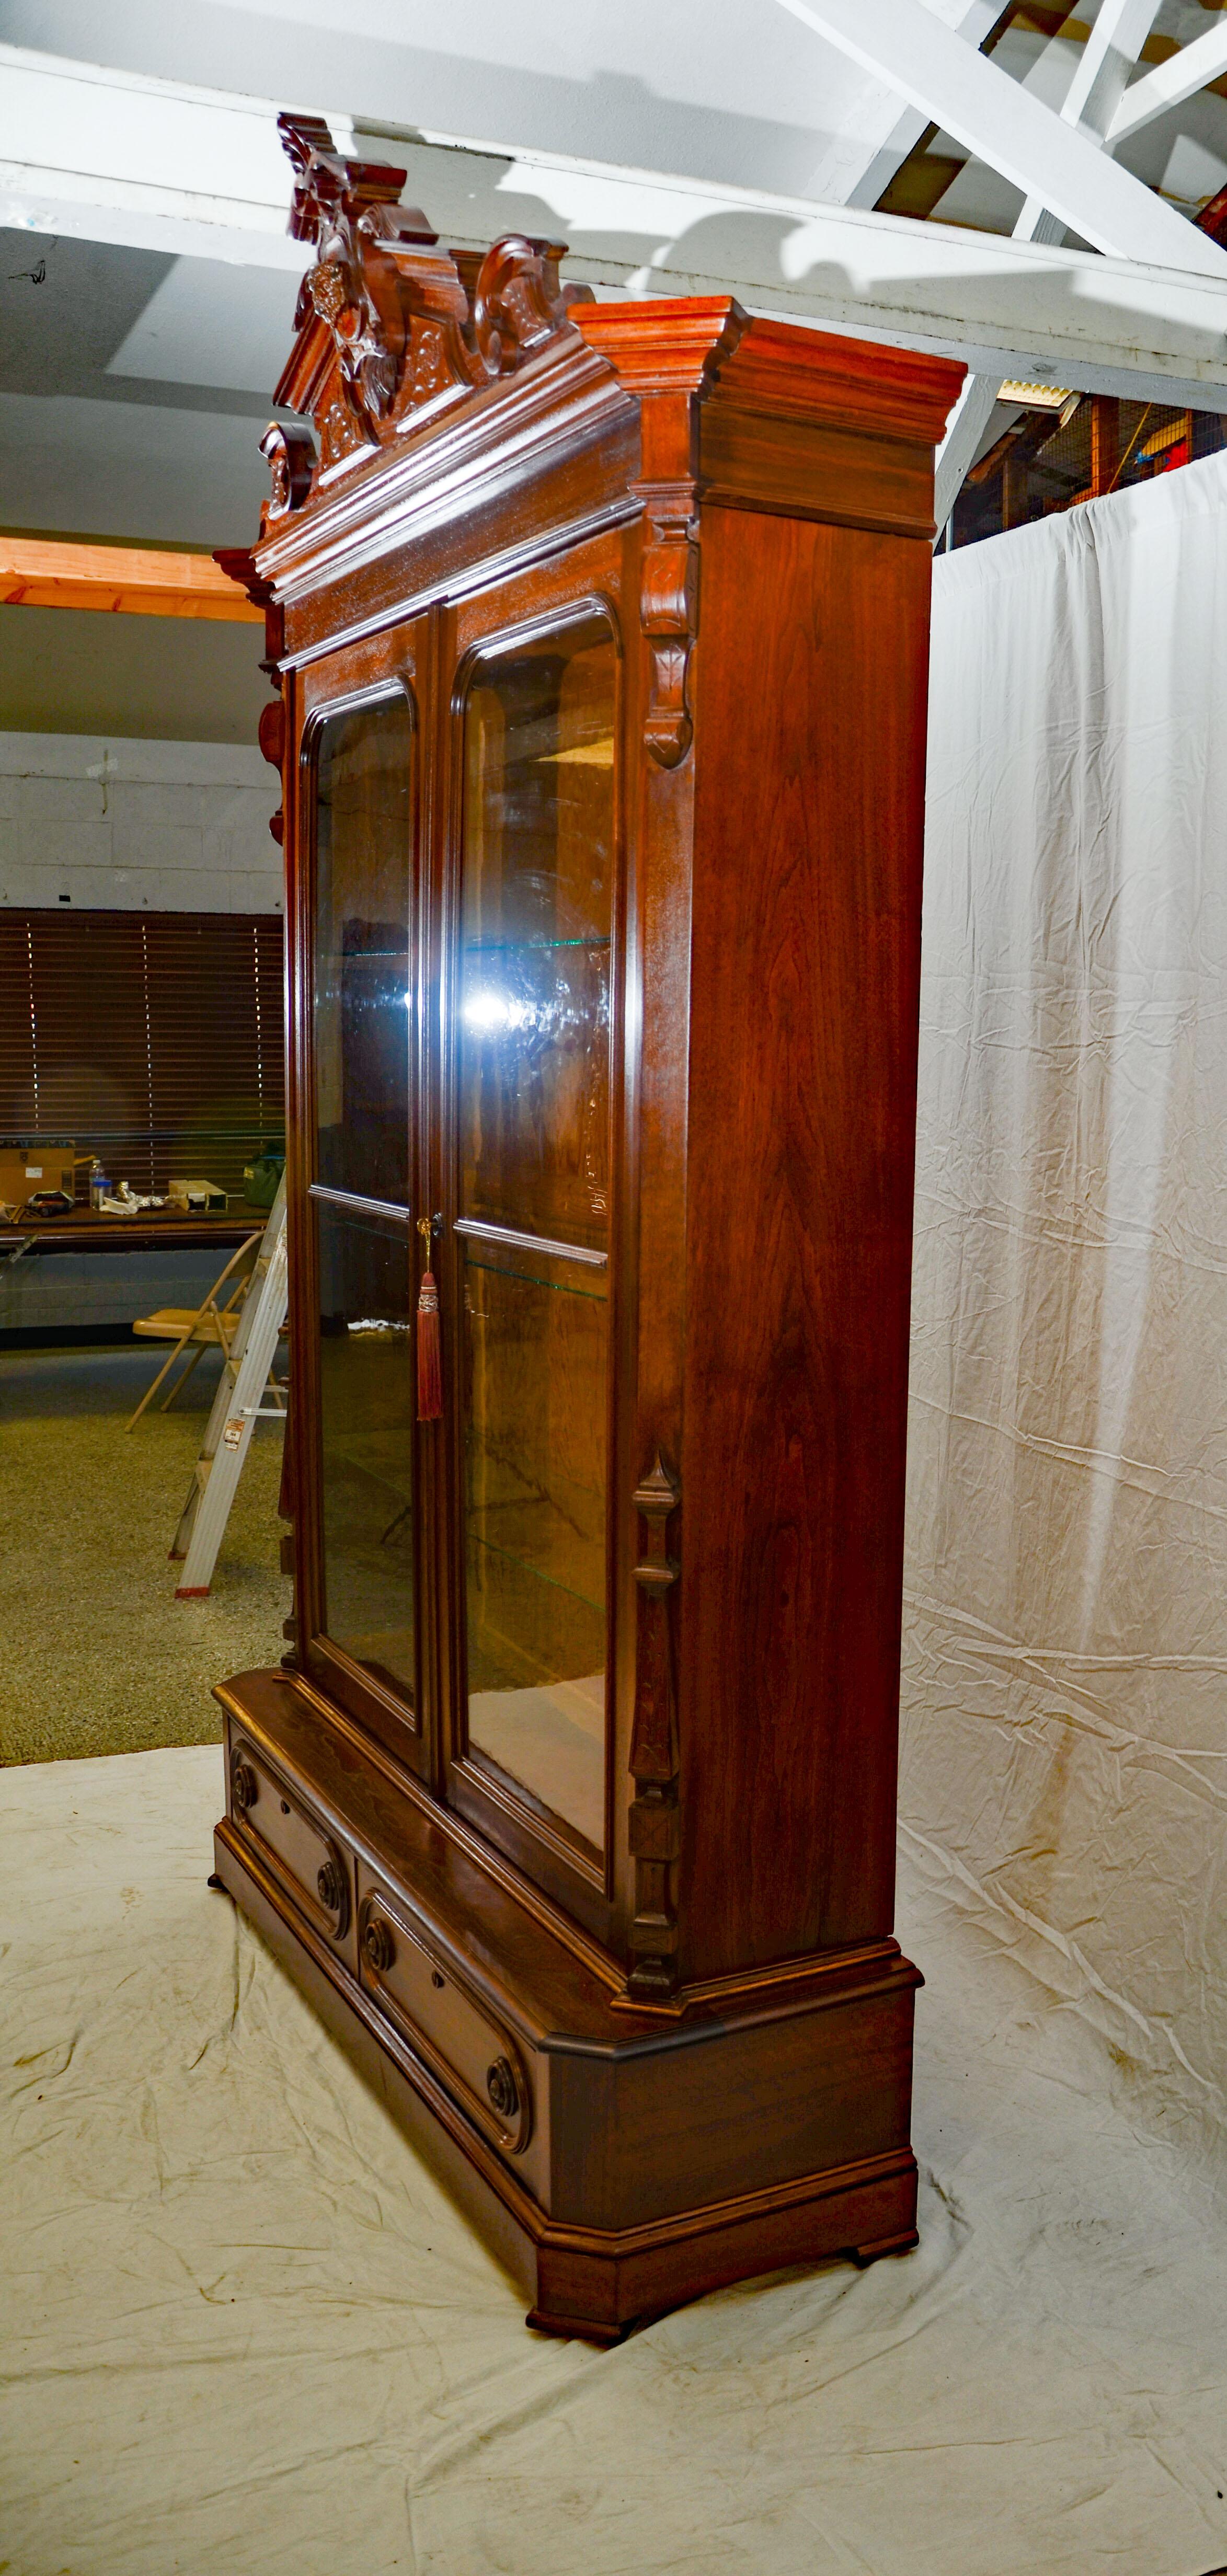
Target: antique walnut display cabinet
[(599, 633)]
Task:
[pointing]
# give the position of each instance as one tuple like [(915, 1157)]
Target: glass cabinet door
[(363, 1052), (533, 1057)]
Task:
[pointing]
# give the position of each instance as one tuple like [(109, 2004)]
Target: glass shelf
[(538, 1572), (558, 1287), (517, 947)]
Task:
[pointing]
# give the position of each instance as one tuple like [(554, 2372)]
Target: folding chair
[(201, 1328)]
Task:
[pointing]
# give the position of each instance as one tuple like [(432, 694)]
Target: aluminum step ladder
[(246, 1379)]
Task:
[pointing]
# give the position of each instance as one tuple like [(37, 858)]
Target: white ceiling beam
[(863, 177), (1116, 39), (1109, 55), (1103, 325), (1094, 94), (901, 42), (1179, 78), (167, 162)]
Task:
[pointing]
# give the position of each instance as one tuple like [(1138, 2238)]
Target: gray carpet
[(98, 1656)]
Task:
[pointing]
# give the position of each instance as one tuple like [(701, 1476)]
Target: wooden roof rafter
[(42, 572)]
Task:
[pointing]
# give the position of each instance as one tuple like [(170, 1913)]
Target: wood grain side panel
[(805, 971), (660, 2131), (848, 476)]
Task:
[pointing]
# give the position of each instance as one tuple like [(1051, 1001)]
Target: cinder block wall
[(120, 824)]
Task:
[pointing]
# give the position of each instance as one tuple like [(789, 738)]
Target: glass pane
[(537, 902), (535, 1336), (534, 1039), (363, 987), (367, 1406)]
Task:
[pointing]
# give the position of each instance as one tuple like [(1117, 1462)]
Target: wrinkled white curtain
[(1065, 1658)]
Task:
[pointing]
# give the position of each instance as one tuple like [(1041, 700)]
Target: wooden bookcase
[(600, 635)]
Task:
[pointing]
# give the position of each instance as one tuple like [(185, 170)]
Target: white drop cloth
[(1065, 1683), (245, 2334)]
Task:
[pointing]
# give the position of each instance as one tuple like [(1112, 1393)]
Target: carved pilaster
[(655, 1823), (669, 613)]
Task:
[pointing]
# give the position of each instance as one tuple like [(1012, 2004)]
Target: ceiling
[(134, 382)]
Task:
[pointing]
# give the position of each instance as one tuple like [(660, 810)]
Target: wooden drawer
[(270, 1806), (416, 1985)]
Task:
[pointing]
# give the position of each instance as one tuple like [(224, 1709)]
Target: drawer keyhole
[(285, 1806), (435, 1978)]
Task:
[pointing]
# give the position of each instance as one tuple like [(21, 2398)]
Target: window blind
[(153, 1039)]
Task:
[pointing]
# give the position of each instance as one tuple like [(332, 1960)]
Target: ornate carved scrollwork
[(669, 613), (655, 1822), (387, 322), (290, 451), (519, 302)]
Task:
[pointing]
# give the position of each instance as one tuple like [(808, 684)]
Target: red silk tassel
[(430, 1357)]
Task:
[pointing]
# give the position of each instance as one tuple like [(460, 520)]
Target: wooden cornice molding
[(708, 345), (821, 377), (664, 345), (36, 572)]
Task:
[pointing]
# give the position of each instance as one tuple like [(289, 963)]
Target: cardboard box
[(39, 1165), (200, 1196)]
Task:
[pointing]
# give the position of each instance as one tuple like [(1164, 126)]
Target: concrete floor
[(98, 1656)]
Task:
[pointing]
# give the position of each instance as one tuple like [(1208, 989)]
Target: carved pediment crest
[(387, 322)]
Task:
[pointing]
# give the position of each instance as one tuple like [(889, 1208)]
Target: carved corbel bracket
[(289, 450), (655, 1821), (239, 565), (669, 614)]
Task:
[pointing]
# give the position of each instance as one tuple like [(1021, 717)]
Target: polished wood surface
[(804, 980), (612, 2171), (615, 1812)]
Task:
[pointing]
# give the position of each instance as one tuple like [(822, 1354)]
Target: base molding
[(616, 2166), (590, 2283)]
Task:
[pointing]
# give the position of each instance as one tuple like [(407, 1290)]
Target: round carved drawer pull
[(244, 1786), (378, 1945), (503, 2089), (331, 1886)]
